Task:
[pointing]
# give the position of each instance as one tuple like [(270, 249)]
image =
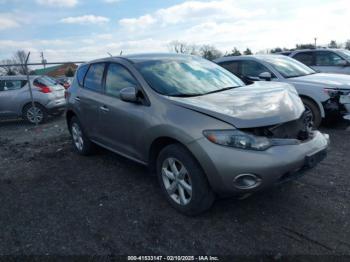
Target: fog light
[(246, 181)]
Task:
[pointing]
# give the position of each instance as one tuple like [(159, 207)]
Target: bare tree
[(209, 52), (19, 57), (182, 48)]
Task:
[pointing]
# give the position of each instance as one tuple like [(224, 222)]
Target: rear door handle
[(77, 98), (104, 108)]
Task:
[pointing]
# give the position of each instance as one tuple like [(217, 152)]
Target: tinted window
[(118, 78), (325, 58), (93, 79), (187, 76), (252, 68), (81, 74), (288, 67), (6, 85), (232, 66), (306, 58)]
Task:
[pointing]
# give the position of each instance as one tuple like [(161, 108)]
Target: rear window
[(81, 74), (47, 81), (6, 85)]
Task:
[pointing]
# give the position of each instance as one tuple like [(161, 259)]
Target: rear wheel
[(81, 142), (183, 181), (34, 114), (313, 112)]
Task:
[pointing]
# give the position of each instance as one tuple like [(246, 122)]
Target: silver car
[(324, 60), (194, 124), (15, 100), (325, 96)]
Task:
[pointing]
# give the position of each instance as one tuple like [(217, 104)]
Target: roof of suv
[(136, 58)]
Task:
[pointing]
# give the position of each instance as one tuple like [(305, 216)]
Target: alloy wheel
[(177, 181), (77, 136), (35, 114)]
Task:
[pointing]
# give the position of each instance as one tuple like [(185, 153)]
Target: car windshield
[(288, 67), (186, 76), (345, 53)]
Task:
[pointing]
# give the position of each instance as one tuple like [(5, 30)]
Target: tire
[(314, 110), (193, 202), (81, 143), (29, 111)]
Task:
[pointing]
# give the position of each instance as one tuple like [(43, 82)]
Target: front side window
[(252, 69), (118, 77), (288, 67), (93, 78), (306, 58), (232, 66), (186, 76), (327, 58)]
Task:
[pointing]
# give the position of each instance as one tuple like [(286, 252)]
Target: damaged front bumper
[(338, 104), (344, 100)]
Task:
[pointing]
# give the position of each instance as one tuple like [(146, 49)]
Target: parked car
[(325, 96), (15, 100), (194, 124), (65, 81), (324, 60)]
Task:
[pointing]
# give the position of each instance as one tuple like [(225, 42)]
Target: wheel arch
[(317, 103)]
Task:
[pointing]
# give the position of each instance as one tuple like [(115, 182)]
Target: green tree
[(347, 45), (69, 72), (304, 46), (247, 52), (234, 52), (333, 44)]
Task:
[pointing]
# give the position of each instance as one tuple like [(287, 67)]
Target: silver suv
[(15, 100), (324, 60), (194, 124)]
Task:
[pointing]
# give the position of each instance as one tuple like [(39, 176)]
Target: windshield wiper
[(220, 90), (184, 95)]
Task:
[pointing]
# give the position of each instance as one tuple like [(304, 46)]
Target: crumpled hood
[(327, 80), (260, 104)]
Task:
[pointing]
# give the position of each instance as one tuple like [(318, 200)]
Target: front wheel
[(313, 112), (183, 181)]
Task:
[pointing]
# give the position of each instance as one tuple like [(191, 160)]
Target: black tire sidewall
[(202, 195)]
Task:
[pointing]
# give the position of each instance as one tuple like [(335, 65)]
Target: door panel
[(12, 95), (120, 121), (90, 98)]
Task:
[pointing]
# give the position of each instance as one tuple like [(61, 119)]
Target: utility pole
[(43, 60), (315, 42)]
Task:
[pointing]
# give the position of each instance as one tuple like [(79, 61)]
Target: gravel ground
[(53, 201)]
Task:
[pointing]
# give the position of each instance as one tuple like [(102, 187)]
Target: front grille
[(297, 129)]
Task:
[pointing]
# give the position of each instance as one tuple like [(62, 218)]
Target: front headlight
[(238, 139)]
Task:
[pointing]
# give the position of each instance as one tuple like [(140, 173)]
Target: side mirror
[(129, 94), (342, 63), (265, 76)]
